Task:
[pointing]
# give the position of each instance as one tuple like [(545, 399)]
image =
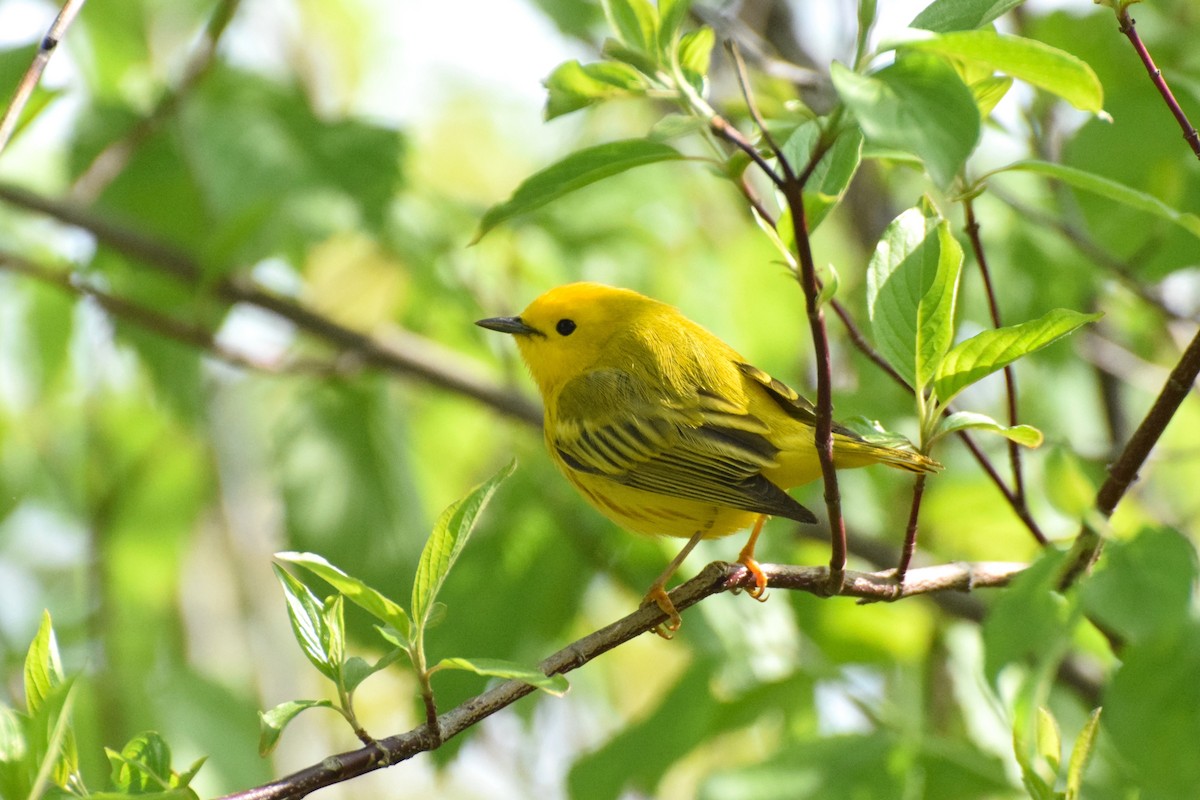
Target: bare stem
[(1010, 380), (910, 532), (33, 75), (792, 187), (1124, 471), (113, 159), (823, 435), (1189, 131)]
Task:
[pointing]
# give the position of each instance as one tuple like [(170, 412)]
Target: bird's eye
[(565, 327)]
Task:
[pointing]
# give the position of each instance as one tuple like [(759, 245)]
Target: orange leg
[(657, 593), (746, 559)]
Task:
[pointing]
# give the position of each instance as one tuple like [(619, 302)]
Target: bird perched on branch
[(667, 430)]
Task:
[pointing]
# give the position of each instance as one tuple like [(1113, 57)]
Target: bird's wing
[(790, 401), (609, 425)]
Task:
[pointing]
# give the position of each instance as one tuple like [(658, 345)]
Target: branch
[(404, 353), (716, 578), (110, 162), (1189, 131), (1010, 379), (33, 75), (195, 336), (1124, 471)]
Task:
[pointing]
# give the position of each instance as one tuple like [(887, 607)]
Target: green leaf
[(271, 723), (579, 169), (1144, 587), (1068, 487), (499, 668), (370, 600), (1152, 712), (1048, 68), (919, 105), (989, 92), (1080, 755), (12, 737), (1025, 435), (308, 623), (912, 282), (960, 15), (356, 670), (335, 622), (143, 766), (1030, 618), (1049, 738), (635, 22), (1104, 187), (672, 126), (671, 14), (832, 175), (450, 535), (573, 86), (695, 50), (43, 669), (992, 350)]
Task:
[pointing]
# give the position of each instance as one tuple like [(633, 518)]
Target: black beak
[(512, 325)]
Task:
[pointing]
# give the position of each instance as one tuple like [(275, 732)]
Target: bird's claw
[(659, 597), (759, 590)]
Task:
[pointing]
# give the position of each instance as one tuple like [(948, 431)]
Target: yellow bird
[(667, 430)]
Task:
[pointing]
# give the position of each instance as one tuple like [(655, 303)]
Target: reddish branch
[(1189, 131), (1124, 471), (791, 185)]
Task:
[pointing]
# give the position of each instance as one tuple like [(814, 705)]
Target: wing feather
[(607, 425)]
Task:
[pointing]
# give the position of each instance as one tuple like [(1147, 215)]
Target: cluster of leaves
[(912, 287), (319, 625), (39, 755)]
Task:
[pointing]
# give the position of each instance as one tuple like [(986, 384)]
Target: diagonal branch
[(716, 578), (1190, 134), (113, 159), (33, 75)]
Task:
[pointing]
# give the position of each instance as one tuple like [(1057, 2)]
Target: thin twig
[(724, 129), (194, 336), (403, 353), (910, 530), (752, 106), (33, 75), (864, 347), (715, 578), (1124, 471), (792, 187), (110, 161), (1082, 241), (1190, 134), (1010, 379)]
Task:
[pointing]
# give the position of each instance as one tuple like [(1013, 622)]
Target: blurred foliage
[(145, 483)]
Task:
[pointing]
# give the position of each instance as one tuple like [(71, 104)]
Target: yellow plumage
[(665, 428)]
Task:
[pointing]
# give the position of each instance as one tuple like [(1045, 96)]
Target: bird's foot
[(659, 597), (759, 590)]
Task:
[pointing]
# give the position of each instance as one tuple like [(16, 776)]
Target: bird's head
[(568, 330)]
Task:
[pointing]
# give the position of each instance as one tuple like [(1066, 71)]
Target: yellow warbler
[(665, 428)]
